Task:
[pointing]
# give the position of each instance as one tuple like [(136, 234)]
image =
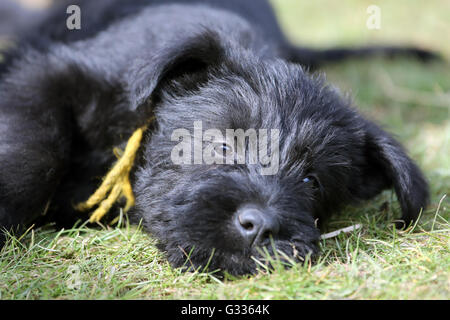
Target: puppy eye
[(310, 180), (223, 149)]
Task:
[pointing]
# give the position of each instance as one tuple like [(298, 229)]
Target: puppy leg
[(35, 134), (318, 58)]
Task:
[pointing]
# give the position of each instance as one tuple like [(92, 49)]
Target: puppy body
[(65, 105)]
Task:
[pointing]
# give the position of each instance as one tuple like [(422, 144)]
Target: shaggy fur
[(68, 97)]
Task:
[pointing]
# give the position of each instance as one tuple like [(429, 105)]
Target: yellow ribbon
[(116, 182)]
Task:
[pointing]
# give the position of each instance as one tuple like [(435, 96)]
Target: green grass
[(375, 262)]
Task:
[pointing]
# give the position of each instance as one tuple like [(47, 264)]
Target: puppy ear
[(388, 166), (184, 57)]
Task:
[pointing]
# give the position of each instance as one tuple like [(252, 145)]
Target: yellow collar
[(116, 183)]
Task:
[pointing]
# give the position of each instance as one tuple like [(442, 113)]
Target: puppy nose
[(255, 225)]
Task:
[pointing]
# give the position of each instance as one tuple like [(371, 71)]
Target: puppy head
[(216, 199)]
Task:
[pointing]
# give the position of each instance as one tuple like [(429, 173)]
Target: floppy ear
[(189, 57), (388, 166)]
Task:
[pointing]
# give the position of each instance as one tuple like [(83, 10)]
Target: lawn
[(410, 99)]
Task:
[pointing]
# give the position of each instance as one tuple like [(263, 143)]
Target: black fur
[(68, 97)]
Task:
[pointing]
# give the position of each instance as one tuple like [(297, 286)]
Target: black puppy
[(68, 97)]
